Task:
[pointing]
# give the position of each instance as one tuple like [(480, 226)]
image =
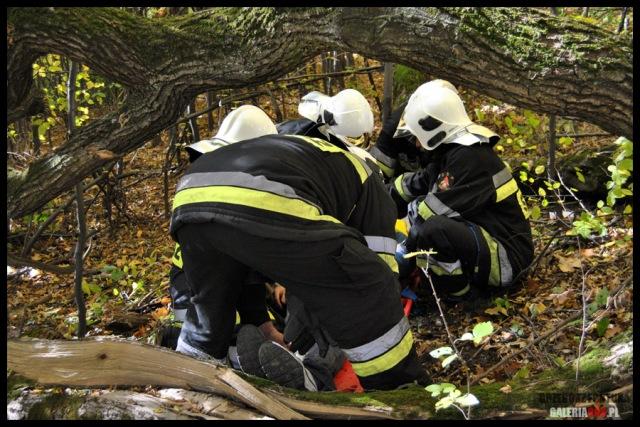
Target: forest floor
[(129, 296)]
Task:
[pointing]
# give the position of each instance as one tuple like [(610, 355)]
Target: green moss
[(591, 362), (56, 406)]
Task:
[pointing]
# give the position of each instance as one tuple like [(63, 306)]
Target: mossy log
[(526, 57), (601, 371)]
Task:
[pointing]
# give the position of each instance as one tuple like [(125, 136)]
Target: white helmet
[(402, 130), (347, 113), (310, 105), (435, 115), (245, 122)]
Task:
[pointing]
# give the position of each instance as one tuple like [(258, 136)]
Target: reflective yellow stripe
[(329, 147), (177, 256), (386, 170), (424, 211), (523, 205), (252, 198), (237, 318), (390, 260), (506, 190), (494, 273), (385, 361), (461, 292), (442, 272)]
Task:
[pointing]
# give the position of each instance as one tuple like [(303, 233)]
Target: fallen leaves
[(567, 264), (506, 389)]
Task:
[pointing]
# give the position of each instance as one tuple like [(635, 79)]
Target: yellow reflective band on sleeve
[(386, 170), (401, 227), (506, 190), (523, 205), (424, 211), (177, 256), (385, 361), (271, 316), (397, 183), (494, 273), (390, 260), (327, 146), (237, 318), (253, 198)]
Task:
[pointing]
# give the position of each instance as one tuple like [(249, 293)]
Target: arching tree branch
[(522, 56)]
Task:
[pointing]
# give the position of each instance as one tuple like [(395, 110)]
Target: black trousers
[(349, 288), (250, 305), (456, 241)]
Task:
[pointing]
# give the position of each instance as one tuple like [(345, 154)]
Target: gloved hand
[(385, 139), (391, 123), (302, 329)]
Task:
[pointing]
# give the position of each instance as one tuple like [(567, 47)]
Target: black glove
[(302, 329), (391, 124), (385, 139)]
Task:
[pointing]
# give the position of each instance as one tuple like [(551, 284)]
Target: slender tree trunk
[(210, 113), (35, 137), (551, 162), (193, 123), (387, 102), (623, 20), (82, 231)]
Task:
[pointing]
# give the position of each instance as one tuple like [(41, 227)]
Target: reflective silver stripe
[(381, 244), (405, 189), (449, 267), (439, 208), (381, 157), (180, 314), (380, 345), (239, 179), (362, 162), (502, 177), (506, 273)]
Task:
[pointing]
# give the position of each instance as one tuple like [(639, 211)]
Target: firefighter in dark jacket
[(312, 217), (464, 204), (245, 122)]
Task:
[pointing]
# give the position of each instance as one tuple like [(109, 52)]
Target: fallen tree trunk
[(170, 404), (108, 362), (523, 56)]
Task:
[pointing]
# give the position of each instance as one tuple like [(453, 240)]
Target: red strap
[(346, 379), (407, 304)]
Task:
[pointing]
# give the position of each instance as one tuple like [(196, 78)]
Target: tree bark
[(525, 57)]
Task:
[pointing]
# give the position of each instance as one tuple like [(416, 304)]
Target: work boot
[(248, 342), (168, 336), (284, 368)]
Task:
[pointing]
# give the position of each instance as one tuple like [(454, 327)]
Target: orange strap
[(346, 380)]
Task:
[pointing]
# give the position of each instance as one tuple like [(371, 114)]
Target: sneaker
[(248, 342), (284, 368)]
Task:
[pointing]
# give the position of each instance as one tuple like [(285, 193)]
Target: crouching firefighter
[(317, 220), (464, 204), (245, 122)]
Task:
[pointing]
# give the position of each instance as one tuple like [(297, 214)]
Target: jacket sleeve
[(469, 189), (385, 151)]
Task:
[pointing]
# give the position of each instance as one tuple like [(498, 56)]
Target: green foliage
[(451, 396), (405, 81), (51, 73), (588, 225)]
